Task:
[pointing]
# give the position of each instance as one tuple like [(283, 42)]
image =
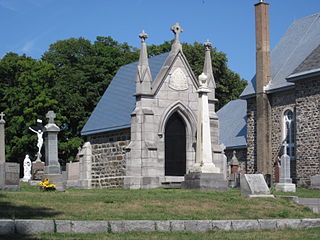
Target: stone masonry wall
[(308, 130), (279, 102), (251, 136), (108, 158)]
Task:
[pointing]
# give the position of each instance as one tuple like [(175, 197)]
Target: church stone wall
[(251, 135), (308, 130), (108, 158), (279, 103)]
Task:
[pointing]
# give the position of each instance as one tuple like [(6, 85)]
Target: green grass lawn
[(155, 204), (236, 235)]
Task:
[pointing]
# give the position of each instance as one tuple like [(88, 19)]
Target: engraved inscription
[(178, 80)]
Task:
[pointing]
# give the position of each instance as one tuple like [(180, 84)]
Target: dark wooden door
[(175, 146)]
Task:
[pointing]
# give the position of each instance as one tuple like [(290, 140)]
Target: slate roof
[(118, 102), (233, 124), (302, 37)]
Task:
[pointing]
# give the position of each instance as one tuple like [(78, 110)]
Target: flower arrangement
[(45, 185)]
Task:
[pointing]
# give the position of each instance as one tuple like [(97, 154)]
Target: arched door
[(175, 146)]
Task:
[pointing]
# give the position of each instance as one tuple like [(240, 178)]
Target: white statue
[(40, 140), (26, 169)]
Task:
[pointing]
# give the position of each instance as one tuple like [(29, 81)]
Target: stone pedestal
[(52, 170), (205, 181), (285, 182)]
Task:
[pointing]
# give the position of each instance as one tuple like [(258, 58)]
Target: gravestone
[(73, 174), (37, 170), (285, 182), (254, 185), (315, 182), (52, 170), (9, 172), (85, 159)]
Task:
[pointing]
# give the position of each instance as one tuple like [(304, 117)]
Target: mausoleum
[(142, 133)]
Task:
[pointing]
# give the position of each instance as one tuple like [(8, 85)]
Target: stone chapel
[(142, 133)]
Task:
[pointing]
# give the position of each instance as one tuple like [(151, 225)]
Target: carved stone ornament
[(178, 80)]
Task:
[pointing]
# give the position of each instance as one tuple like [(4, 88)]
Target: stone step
[(171, 185)]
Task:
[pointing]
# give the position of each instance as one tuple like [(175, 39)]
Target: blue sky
[(30, 26)]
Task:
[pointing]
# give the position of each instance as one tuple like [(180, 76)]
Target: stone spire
[(143, 80), (176, 29), (207, 68)]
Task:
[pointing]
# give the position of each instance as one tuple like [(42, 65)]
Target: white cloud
[(28, 46)]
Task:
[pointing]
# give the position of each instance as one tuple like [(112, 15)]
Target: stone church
[(142, 133), (280, 107)]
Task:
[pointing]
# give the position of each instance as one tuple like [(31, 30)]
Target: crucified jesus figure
[(40, 139)]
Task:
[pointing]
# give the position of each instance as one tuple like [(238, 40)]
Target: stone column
[(285, 182), (2, 142), (204, 163), (204, 175), (52, 169)]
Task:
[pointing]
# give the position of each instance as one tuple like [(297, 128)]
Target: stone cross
[(176, 29), (285, 145), (143, 36), (51, 116)]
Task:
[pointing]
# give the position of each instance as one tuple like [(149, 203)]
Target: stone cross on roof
[(1, 117), (143, 36), (51, 116), (176, 29)]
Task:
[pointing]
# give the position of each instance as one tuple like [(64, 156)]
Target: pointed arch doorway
[(175, 146)]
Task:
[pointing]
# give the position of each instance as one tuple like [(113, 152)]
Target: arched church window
[(289, 132)]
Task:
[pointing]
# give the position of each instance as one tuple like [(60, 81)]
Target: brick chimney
[(263, 118)]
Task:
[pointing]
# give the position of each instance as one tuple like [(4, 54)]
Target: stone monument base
[(286, 187), (56, 179), (9, 176), (205, 181)]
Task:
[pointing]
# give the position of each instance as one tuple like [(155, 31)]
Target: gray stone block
[(162, 226), (34, 226), (63, 226), (198, 225), (221, 225), (205, 181), (177, 226), (240, 225), (117, 226), (89, 226), (267, 224), (6, 226), (139, 226), (310, 223), (288, 223)]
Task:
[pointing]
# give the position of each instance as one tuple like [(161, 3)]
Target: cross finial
[(143, 36), (51, 116), (207, 45), (285, 145), (1, 117), (176, 29)]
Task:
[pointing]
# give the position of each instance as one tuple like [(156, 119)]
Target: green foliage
[(70, 79)]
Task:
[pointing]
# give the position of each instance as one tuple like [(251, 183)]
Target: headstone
[(204, 175), (37, 170), (9, 172), (254, 185), (52, 170), (85, 160), (73, 175), (315, 182), (285, 182), (234, 180), (26, 169)]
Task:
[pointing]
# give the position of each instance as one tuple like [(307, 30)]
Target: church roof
[(302, 37), (117, 103), (232, 124)]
